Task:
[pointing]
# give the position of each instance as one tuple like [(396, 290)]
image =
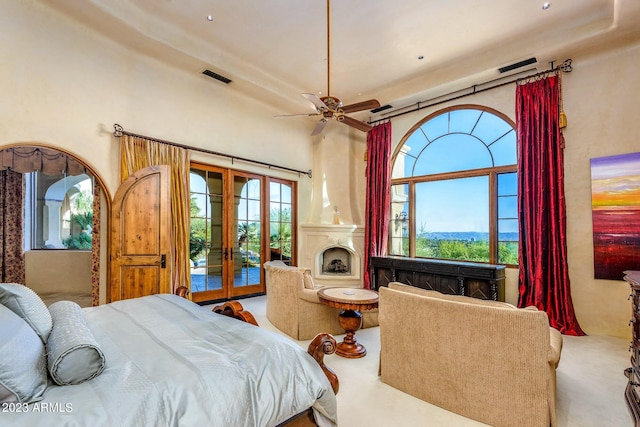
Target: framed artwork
[(615, 207)]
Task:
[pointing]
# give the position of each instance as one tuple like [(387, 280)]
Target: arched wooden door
[(140, 235)]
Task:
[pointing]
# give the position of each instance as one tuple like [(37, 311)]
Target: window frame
[(293, 217), (491, 172)]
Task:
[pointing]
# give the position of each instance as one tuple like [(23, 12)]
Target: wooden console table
[(632, 391), (483, 281)]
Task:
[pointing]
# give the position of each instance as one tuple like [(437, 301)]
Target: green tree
[(280, 239), (197, 232), (452, 249), (80, 240), (80, 221), (508, 252)]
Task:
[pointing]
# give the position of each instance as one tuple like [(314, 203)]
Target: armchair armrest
[(310, 295)]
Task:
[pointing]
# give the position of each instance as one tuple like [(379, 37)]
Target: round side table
[(351, 301)]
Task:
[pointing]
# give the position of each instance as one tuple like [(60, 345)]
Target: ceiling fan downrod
[(328, 47)]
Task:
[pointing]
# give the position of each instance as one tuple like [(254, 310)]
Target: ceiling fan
[(331, 107)]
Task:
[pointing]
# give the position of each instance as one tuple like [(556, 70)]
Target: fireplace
[(336, 260), (333, 252)]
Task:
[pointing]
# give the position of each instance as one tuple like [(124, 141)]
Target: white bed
[(170, 362)]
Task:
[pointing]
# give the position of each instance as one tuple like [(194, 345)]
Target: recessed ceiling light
[(209, 18), (546, 6)]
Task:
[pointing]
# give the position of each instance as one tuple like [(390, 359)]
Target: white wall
[(602, 101)]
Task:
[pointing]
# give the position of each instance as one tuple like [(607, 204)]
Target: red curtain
[(378, 195), (544, 276)]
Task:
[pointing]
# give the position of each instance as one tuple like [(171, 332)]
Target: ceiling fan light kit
[(331, 107)]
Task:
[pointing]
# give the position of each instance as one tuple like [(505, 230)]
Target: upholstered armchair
[(485, 360), (293, 305)]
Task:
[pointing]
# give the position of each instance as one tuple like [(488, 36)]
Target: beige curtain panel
[(138, 153)]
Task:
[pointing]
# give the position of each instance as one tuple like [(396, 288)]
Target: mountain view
[(467, 236)]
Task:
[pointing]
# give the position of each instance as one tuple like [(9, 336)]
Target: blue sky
[(455, 141)]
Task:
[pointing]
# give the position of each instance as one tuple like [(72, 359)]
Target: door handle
[(225, 254), (163, 261)]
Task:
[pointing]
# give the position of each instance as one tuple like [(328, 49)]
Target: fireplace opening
[(336, 261)]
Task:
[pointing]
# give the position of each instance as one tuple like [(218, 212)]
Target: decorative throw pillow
[(73, 354), (24, 302), (23, 361), (307, 279)]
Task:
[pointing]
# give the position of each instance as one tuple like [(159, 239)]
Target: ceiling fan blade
[(316, 101), (319, 127), (364, 127), (279, 116), (359, 106)]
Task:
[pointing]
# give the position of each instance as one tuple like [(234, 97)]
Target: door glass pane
[(274, 212), (197, 182), (214, 278), (452, 219), (205, 243), (281, 222), (246, 250), (286, 193)]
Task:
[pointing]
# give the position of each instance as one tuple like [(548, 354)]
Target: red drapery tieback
[(544, 274), (378, 195)]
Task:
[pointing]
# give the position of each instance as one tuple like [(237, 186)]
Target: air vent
[(518, 65), (217, 76), (382, 108)]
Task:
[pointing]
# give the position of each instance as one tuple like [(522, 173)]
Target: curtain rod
[(565, 68), (119, 131)]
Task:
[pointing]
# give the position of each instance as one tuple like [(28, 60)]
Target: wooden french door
[(227, 221), (140, 235)]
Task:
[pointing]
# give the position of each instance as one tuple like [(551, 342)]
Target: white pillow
[(73, 354), (24, 302), (23, 361)]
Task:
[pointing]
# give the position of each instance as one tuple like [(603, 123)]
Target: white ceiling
[(275, 49)]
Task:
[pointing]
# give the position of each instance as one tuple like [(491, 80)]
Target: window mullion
[(493, 218), (412, 219)]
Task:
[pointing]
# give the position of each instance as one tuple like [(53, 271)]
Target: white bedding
[(170, 362)]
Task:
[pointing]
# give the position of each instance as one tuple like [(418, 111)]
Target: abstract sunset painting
[(615, 207)]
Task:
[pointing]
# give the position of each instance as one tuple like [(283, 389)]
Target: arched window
[(56, 197), (454, 188)]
